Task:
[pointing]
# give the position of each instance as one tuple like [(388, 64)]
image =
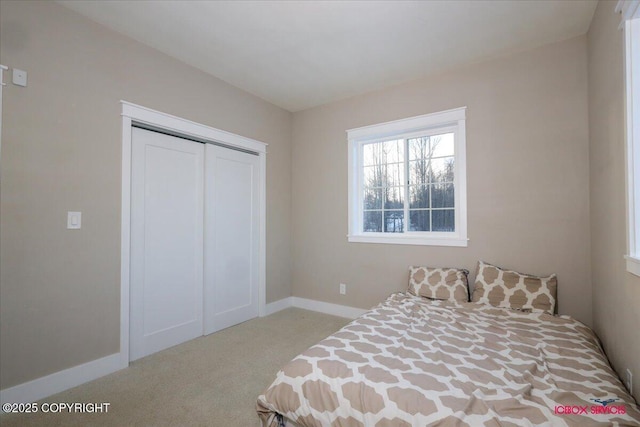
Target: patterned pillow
[(510, 289), (439, 283)]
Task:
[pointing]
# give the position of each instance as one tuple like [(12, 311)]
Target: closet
[(195, 239)]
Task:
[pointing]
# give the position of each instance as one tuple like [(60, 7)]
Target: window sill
[(633, 264), (410, 240)]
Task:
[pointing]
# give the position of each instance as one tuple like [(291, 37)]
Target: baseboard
[(328, 308), (313, 305), (63, 380), (274, 307)]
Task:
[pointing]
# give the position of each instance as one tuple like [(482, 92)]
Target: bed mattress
[(417, 362)]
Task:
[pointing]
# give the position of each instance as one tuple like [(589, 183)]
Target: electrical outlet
[(629, 381), (343, 289), (19, 77), (74, 220)]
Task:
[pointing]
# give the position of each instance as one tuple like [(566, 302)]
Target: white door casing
[(136, 115)]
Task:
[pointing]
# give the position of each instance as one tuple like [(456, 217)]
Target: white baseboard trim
[(63, 380), (276, 306), (313, 305), (328, 308)]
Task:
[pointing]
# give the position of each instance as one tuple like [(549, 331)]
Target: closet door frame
[(133, 115)]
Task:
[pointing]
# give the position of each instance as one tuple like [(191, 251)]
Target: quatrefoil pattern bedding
[(439, 283), (510, 289), (412, 361)]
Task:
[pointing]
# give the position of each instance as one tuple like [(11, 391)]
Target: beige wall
[(533, 144), (527, 163), (61, 150), (616, 293)]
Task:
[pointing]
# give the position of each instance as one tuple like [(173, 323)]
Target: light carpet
[(210, 381)]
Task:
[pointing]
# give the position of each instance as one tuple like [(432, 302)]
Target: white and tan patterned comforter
[(416, 362)]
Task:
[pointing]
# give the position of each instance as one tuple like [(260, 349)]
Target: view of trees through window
[(414, 176)]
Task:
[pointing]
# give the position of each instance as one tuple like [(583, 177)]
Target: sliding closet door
[(232, 236), (166, 241)]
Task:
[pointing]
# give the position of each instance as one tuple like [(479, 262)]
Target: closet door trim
[(134, 115)]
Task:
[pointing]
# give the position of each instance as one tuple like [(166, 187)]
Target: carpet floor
[(209, 381)]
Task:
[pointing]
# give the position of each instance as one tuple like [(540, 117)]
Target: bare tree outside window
[(384, 186), (428, 162)]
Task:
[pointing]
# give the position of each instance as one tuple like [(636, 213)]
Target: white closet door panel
[(166, 241), (232, 224)]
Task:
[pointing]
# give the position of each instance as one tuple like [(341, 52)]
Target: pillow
[(439, 283), (510, 289)]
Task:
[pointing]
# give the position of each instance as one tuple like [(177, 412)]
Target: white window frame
[(2, 83), (428, 124), (630, 11)]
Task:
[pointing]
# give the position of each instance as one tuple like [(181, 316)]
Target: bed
[(417, 361)]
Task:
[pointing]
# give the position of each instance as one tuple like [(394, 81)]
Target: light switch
[(74, 220), (19, 77)]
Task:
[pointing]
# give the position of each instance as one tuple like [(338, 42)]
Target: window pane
[(442, 196), (394, 173), (419, 220), (393, 221), (444, 220), (373, 176), (419, 172), (394, 151), (442, 169), (372, 154), (372, 198), (419, 148), (379, 153), (372, 221), (419, 197), (394, 198), (384, 175), (442, 145)]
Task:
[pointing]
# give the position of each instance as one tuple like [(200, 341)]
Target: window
[(2, 70), (407, 181), (631, 23)]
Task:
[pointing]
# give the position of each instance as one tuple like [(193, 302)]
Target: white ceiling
[(300, 54)]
